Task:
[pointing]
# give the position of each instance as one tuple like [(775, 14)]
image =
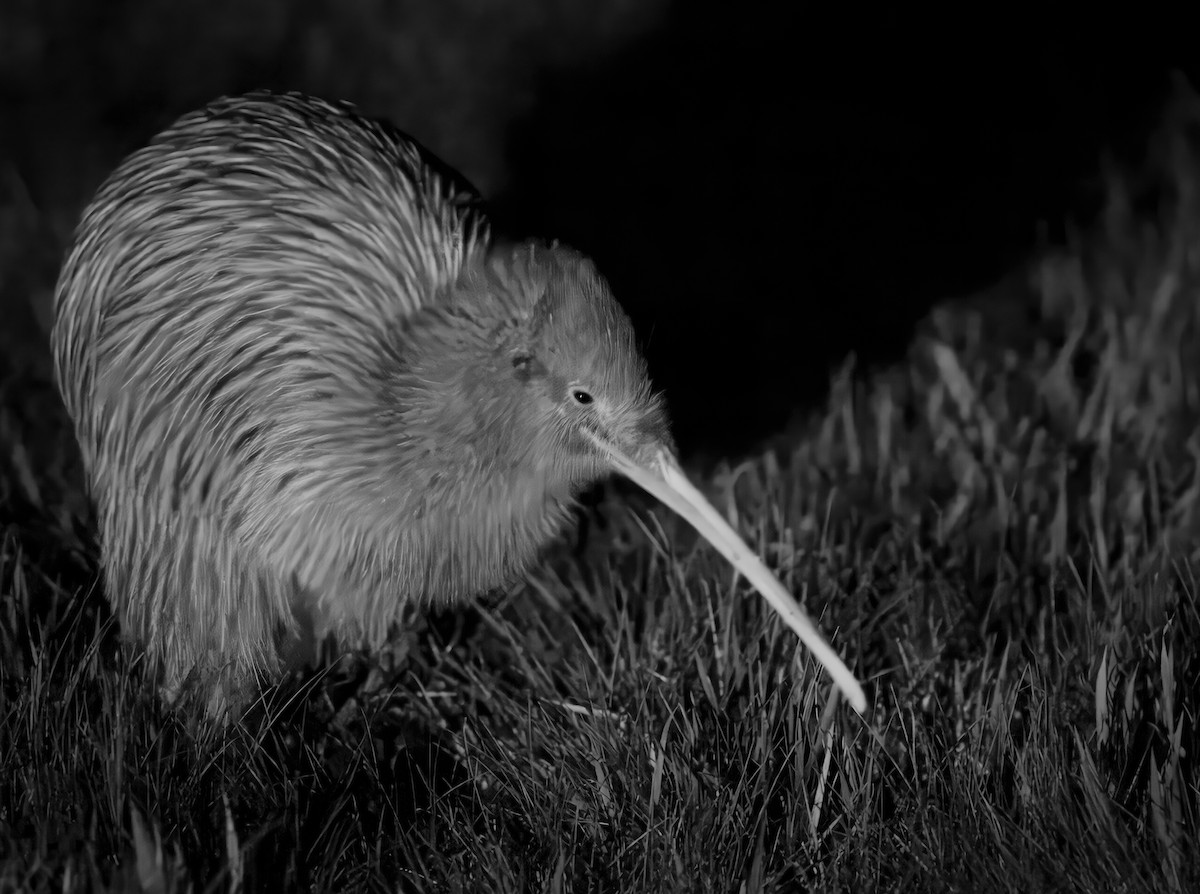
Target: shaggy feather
[(309, 388)]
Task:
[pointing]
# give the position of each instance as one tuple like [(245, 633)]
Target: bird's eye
[(581, 396)]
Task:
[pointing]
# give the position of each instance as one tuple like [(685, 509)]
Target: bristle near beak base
[(663, 478)]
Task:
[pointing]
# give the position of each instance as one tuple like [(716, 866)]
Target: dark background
[(818, 185), (767, 188)]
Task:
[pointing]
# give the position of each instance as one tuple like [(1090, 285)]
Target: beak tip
[(858, 700)]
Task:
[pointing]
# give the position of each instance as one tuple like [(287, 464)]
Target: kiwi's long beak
[(661, 475)]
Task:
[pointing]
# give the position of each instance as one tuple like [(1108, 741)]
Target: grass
[(1001, 535)]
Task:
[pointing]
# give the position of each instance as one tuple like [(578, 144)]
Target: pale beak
[(662, 477)]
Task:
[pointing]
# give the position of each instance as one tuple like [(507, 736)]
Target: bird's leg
[(301, 646), (223, 688)]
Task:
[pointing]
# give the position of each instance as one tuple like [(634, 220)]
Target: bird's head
[(575, 358)]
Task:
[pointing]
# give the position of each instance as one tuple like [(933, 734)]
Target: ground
[(998, 533)]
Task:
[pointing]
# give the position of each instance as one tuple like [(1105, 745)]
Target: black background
[(763, 211)]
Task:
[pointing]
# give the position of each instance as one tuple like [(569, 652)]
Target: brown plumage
[(310, 387)]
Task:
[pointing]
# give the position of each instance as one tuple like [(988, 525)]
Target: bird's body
[(288, 346), (310, 388)]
